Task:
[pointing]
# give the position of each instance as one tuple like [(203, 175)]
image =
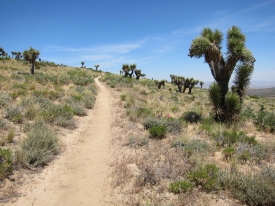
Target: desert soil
[(80, 174)]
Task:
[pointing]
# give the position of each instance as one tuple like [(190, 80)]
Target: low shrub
[(229, 152), (206, 177), (180, 186), (192, 117), (158, 132), (265, 120), (40, 146), (256, 189), (123, 97), (5, 162), (172, 125), (14, 114)]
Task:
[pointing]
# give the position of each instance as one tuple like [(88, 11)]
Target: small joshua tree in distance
[(31, 55), (96, 66)]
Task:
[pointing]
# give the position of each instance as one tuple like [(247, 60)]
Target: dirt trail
[(80, 174)]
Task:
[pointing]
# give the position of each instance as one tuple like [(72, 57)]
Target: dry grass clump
[(193, 148)]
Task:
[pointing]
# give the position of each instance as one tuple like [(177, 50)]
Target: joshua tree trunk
[(32, 68)]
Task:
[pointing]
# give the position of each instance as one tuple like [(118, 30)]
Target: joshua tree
[(186, 84), (192, 84), (208, 45), (39, 59), (172, 78), (128, 69), (13, 53), (179, 81), (160, 83), (138, 74), (201, 83), (121, 72), (82, 63), (3, 53), (17, 55), (31, 55), (96, 66)]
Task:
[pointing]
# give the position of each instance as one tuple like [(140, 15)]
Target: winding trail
[(79, 176)]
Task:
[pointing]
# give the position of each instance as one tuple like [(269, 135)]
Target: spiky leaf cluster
[(232, 106), (215, 99), (31, 55), (242, 79), (200, 45)]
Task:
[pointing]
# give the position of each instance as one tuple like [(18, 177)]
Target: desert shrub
[(78, 109), (205, 176), (61, 115), (196, 146), (64, 79), (3, 124), (244, 156), (123, 97), (172, 125), (30, 112), (158, 132), (135, 113), (248, 113), (40, 146), (229, 152), (180, 186), (135, 141), (5, 162), (89, 101), (254, 153), (80, 77), (5, 99), (265, 120), (226, 138), (192, 116), (10, 135), (143, 92), (257, 189), (14, 114)]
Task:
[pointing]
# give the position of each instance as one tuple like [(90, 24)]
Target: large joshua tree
[(208, 45), (82, 64), (31, 55)]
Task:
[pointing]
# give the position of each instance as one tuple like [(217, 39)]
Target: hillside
[(167, 148)]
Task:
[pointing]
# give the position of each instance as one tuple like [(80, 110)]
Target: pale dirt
[(80, 174)]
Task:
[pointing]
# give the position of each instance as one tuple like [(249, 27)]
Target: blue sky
[(154, 34)]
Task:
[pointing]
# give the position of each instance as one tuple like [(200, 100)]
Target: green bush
[(40, 146), (123, 97), (172, 125), (5, 162), (265, 120), (229, 152), (206, 177), (192, 117), (180, 186), (158, 132)]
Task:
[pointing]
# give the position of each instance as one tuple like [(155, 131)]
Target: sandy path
[(79, 175)]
